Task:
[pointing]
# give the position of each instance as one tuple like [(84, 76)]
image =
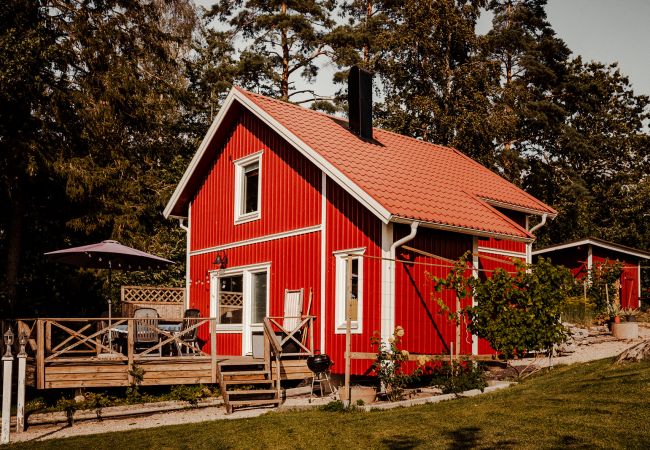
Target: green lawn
[(594, 405)]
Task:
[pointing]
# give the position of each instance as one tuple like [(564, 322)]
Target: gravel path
[(590, 345)]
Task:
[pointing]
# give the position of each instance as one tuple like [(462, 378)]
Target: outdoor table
[(167, 327)]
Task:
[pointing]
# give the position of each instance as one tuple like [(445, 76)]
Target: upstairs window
[(248, 188)]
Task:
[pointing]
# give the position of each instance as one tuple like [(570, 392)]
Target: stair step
[(234, 362), (271, 401), (252, 392), (247, 382), (244, 372)]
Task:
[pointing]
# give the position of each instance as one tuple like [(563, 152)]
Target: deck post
[(20, 393), (8, 364), (48, 337), (40, 354), (213, 348), (129, 347), (348, 330)]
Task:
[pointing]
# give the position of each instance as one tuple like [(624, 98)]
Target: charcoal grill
[(320, 365)]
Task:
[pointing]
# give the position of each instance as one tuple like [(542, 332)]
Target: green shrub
[(454, 378), (579, 310)]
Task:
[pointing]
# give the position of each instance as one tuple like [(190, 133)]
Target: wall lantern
[(9, 341), (221, 260)]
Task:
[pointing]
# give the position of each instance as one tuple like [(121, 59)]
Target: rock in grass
[(636, 353)]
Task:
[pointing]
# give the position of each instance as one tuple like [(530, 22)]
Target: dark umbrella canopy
[(109, 255)]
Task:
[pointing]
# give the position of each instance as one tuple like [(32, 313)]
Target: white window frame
[(341, 257), (246, 327), (240, 166)]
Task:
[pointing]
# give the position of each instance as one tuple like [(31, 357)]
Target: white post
[(8, 363), (20, 395)]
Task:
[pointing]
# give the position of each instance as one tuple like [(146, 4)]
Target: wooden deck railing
[(90, 340)]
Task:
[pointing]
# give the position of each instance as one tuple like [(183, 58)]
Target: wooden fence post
[(40, 354), (213, 348), (130, 344)]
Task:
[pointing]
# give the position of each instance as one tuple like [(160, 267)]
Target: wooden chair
[(187, 335), (115, 337), (146, 329), (292, 321)]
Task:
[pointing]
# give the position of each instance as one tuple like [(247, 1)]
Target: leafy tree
[(434, 84), (100, 90), (595, 169), (531, 62), (280, 38), (515, 313)]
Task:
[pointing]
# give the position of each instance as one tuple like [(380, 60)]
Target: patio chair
[(291, 333), (190, 318), (146, 329), (115, 337)]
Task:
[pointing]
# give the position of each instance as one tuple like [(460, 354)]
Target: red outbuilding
[(277, 197), (583, 255)]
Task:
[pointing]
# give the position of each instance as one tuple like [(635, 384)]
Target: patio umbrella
[(109, 255)]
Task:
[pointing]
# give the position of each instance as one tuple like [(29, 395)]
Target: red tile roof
[(412, 179)]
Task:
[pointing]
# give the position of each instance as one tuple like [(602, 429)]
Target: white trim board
[(323, 260), (257, 240), (497, 251), (614, 248)]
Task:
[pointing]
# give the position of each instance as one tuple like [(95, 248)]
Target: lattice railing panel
[(153, 294)]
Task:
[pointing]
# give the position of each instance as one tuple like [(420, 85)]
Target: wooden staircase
[(247, 383)]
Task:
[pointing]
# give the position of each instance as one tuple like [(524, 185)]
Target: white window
[(248, 188), (356, 302)]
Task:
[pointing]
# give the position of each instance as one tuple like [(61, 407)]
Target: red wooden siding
[(500, 244), (290, 188), (629, 293), (487, 266), (426, 329), (350, 225), (295, 264)]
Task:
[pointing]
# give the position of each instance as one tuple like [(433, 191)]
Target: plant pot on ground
[(367, 394)]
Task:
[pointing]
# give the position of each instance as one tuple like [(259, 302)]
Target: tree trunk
[(284, 82)]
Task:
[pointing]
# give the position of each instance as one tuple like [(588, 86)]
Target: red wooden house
[(284, 194), (583, 255)]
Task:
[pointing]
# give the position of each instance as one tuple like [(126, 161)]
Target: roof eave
[(462, 230), (552, 214), (590, 241)]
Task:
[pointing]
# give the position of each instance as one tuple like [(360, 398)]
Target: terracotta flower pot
[(617, 319), (365, 393)]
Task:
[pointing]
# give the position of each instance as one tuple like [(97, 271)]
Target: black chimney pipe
[(360, 102)]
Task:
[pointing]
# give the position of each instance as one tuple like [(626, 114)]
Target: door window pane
[(231, 299), (259, 282)]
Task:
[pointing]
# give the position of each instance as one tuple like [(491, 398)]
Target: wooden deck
[(74, 353)]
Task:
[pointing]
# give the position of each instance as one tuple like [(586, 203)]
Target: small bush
[(458, 377), (579, 311), (339, 406)]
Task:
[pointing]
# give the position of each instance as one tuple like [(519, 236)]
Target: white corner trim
[(260, 239), (323, 260), (387, 317), (475, 264), (496, 251), (188, 249)]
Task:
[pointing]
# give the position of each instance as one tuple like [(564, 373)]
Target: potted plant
[(629, 314)]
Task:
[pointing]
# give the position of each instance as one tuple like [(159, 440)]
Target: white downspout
[(185, 228), (388, 325), (529, 247)]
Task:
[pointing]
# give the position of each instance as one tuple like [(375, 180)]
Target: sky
[(607, 31)]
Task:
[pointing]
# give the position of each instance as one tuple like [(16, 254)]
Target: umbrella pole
[(110, 289)]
